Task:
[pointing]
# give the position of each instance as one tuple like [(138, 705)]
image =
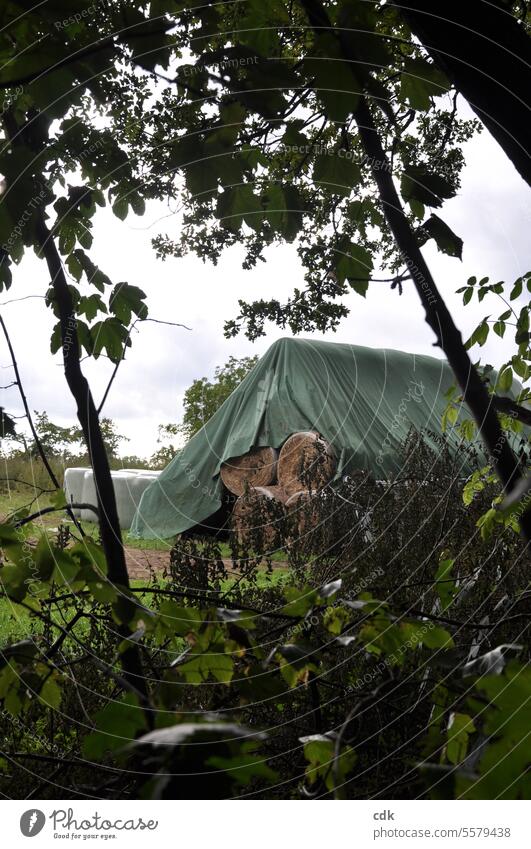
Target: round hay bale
[(256, 515), (256, 468), (306, 461)]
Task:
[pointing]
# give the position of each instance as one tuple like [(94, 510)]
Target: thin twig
[(126, 342), (27, 519)]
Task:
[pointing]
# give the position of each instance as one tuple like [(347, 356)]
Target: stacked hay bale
[(256, 468), (271, 486)]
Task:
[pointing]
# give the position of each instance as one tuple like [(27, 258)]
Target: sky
[(491, 213)]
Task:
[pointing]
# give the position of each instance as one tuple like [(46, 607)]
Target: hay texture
[(256, 468), (306, 462)]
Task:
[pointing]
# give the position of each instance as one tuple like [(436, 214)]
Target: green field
[(16, 500), (15, 620)]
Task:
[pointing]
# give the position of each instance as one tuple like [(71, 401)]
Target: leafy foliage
[(203, 397), (331, 652), (394, 594)]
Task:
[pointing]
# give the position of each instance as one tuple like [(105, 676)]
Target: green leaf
[(90, 306), (427, 187), (74, 266), (334, 79), (93, 273), (103, 591), (283, 210), (353, 263), (44, 559), (65, 568), (109, 335), (446, 240), (421, 80), (468, 429), (50, 693), (9, 536), (221, 667), (460, 727), (300, 601), (505, 379), (202, 177), (336, 172), (522, 327), (445, 586), (127, 300), (516, 290), (437, 638), (319, 751), (479, 336), (238, 204), (449, 417), (180, 620), (242, 768), (120, 208), (522, 369), (117, 724)]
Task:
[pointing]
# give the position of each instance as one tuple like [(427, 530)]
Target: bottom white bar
[(266, 825)]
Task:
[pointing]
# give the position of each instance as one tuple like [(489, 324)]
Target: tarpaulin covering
[(363, 401)]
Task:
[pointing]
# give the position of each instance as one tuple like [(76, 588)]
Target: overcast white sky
[(492, 214)]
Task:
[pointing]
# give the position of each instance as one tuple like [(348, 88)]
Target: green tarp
[(363, 401)]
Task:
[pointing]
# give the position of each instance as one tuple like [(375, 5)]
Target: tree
[(484, 48), (58, 167), (56, 441), (289, 123), (294, 135), (204, 397)]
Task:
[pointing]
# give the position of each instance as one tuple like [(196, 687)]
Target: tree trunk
[(437, 314), (486, 54), (88, 417)]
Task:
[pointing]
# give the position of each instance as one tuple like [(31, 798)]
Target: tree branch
[(27, 412), (88, 417), (122, 358), (506, 405), (27, 519)]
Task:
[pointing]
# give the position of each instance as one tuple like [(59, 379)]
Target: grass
[(16, 623), (16, 500), (14, 619)]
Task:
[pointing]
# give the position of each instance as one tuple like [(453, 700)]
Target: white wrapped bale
[(129, 490), (88, 496), (73, 487)]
